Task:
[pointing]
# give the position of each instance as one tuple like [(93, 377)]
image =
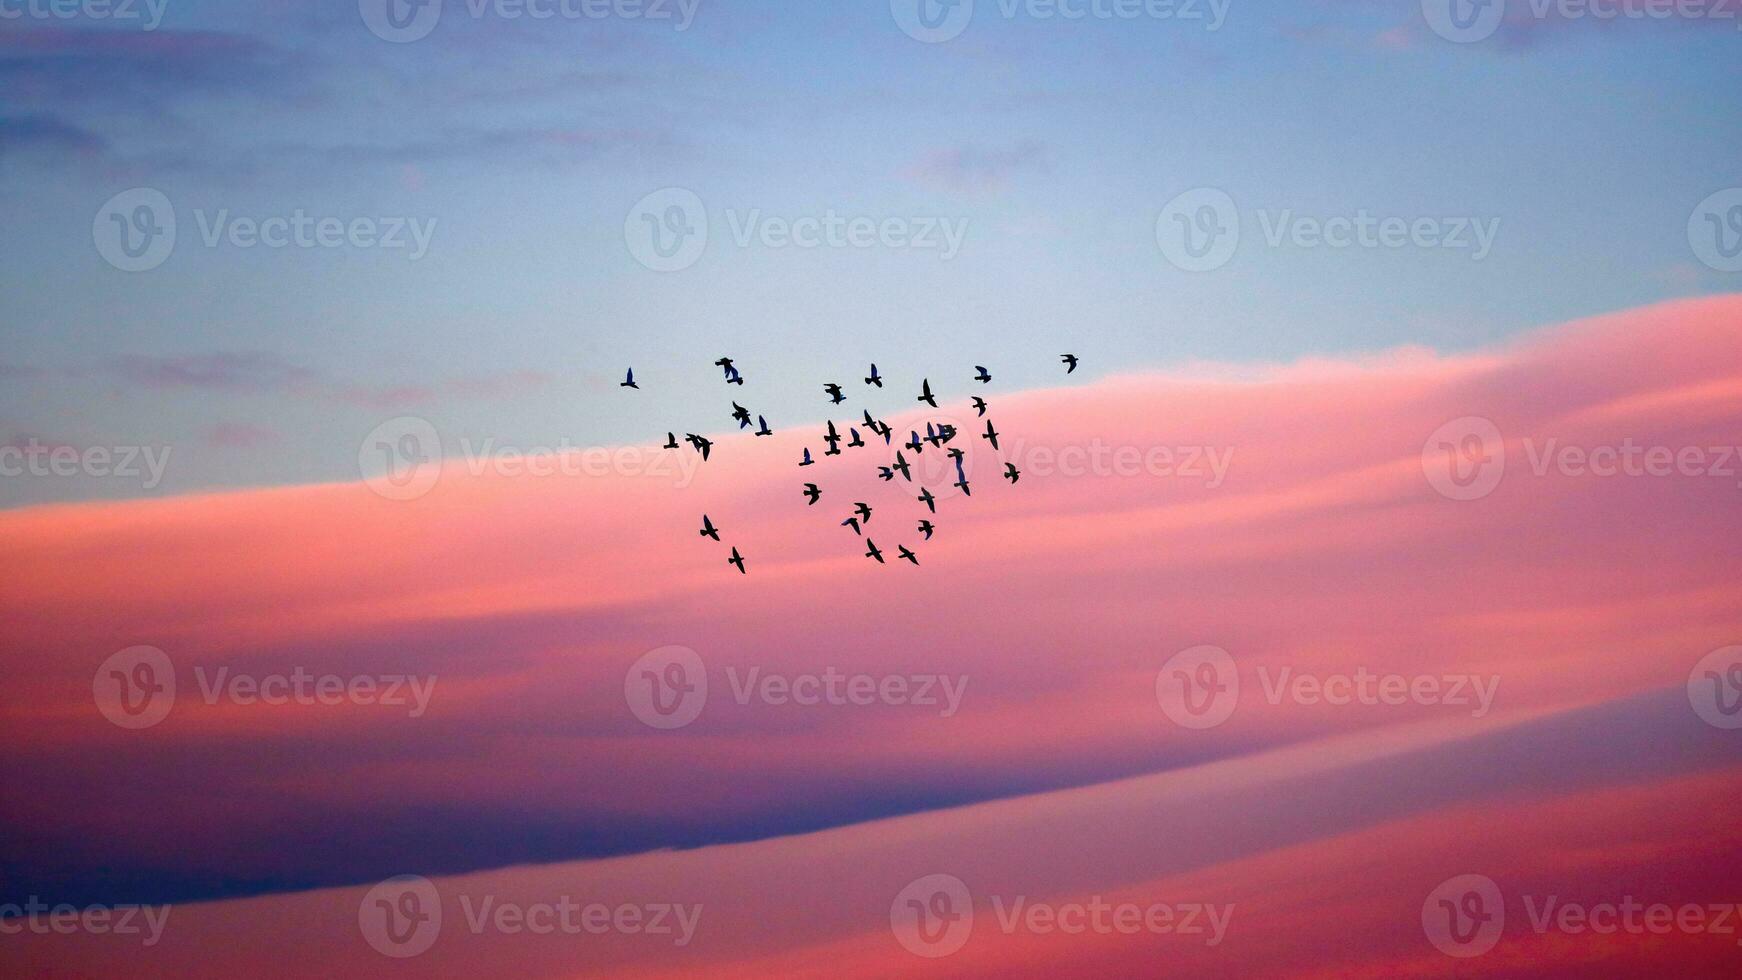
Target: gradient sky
[(529, 142)]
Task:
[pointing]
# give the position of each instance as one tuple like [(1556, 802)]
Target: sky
[(1054, 147), (1370, 577)]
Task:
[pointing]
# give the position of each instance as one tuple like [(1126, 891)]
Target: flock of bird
[(938, 435)]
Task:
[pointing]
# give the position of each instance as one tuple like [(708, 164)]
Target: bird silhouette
[(907, 554), (979, 406), (807, 458), (835, 395), (956, 455), (863, 510), (708, 530), (927, 499), (885, 473), (733, 377), (834, 441), (671, 440), (872, 552), (811, 491), (629, 381), (925, 528), (1011, 473), (982, 376), (763, 429), (991, 434), (963, 483), (914, 443), (1070, 362), (875, 378), (900, 466), (852, 522), (925, 394), (738, 560), (742, 415), (703, 446)]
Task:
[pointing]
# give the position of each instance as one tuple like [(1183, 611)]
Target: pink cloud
[(1317, 544)]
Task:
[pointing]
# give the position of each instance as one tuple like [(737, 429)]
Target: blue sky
[(522, 146)]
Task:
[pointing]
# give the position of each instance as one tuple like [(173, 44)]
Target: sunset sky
[(1350, 595)]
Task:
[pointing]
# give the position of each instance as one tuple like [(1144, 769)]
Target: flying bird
[(872, 552), (925, 528), (991, 434), (811, 491), (982, 376), (927, 499), (741, 415), (914, 443), (875, 378), (907, 554), (925, 394), (1070, 362), (702, 445), (901, 466), (708, 530), (979, 406), (629, 381), (852, 522), (763, 429), (885, 473), (671, 440), (1011, 473), (863, 510), (807, 458), (963, 483), (834, 441), (733, 377), (738, 560), (956, 455), (835, 395), (857, 442)]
